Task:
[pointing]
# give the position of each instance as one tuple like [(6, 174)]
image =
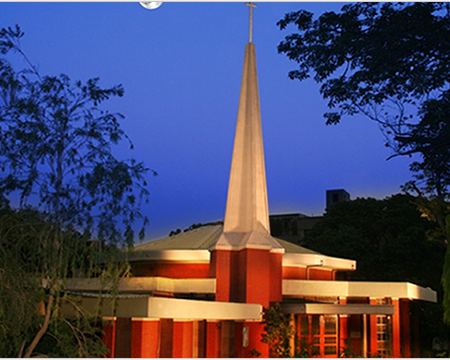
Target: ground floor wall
[(360, 335), (171, 338), (316, 335)]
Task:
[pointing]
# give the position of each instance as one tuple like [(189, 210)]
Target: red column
[(276, 274), (144, 338), (220, 268), (250, 276), (109, 334), (343, 328), (166, 338), (373, 343), (212, 339), (396, 350), (405, 328), (415, 329), (255, 284), (182, 343), (239, 351), (259, 277)]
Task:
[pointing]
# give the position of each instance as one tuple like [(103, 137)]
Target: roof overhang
[(373, 289), (337, 309), (166, 308), (187, 256), (146, 285), (318, 260)]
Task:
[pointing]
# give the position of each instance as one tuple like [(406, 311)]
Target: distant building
[(335, 196), (293, 227)]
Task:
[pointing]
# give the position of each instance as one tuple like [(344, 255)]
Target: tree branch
[(43, 329)]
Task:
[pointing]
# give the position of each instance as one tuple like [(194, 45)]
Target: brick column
[(396, 344)]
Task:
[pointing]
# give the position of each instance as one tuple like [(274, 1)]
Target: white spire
[(246, 223)]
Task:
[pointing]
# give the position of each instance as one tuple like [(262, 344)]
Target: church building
[(203, 293)]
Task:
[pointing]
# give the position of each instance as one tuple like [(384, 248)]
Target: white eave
[(318, 260), (189, 256), (146, 285), (148, 307), (337, 309), (372, 289)]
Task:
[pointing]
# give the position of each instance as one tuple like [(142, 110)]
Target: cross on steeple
[(250, 29)]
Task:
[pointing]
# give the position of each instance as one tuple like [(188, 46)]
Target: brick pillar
[(415, 328), (373, 343), (122, 348), (166, 338), (144, 338), (212, 339), (109, 335), (182, 342), (405, 328), (251, 276), (220, 268), (343, 328), (396, 344)]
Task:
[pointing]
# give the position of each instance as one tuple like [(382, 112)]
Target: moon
[(151, 5)]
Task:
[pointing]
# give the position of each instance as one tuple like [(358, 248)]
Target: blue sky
[(181, 67)]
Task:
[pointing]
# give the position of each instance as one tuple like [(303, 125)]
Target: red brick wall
[(301, 273), (171, 270)]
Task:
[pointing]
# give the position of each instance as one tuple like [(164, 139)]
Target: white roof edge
[(340, 309), (180, 309), (200, 255), (318, 260), (400, 290), (198, 309), (146, 285)]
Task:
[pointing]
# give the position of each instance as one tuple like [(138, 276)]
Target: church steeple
[(246, 260), (246, 223)]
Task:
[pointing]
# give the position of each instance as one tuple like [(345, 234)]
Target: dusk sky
[(181, 67)]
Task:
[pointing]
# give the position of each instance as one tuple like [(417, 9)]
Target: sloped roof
[(202, 239)]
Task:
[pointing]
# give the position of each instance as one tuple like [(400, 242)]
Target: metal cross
[(250, 29)]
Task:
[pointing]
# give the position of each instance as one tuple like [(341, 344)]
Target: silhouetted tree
[(56, 155), (389, 62)]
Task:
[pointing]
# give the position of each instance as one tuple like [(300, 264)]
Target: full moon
[(151, 5)]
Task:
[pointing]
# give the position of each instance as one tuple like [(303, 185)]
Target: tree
[(389, 62), (30, 318), (389, 239), (278, 332), (56, 154)]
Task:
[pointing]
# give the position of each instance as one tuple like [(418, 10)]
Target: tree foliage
[(77, 204), (391, 63), (278, 332), (388, 238), (32, 294), (56, 148)]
